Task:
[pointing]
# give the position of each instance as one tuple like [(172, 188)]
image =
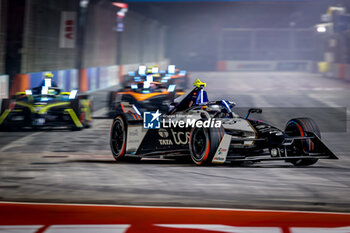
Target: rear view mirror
[(253, 110)]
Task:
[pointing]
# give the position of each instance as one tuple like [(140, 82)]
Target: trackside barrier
[(4, 86), (347, 73), (89, 79), (334, 71), (20, 82), (265, 66), (65, 79)]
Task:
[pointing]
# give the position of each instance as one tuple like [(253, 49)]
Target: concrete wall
[(100, 36), (143, 40), (41, 36)]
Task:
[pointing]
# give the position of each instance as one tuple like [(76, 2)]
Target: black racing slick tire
[(204, 143), (299, 127), (118, 138)]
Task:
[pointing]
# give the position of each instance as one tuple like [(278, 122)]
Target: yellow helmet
[(199, 83), (48, 75)]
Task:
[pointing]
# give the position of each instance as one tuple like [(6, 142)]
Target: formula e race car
[(169, 77), (144, 96), (46, 107), (210, 132)]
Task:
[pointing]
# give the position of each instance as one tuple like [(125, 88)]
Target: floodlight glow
[(171, 69), (28, 92), (133, 86), (142, 70), (171, 88), (321, 29), (149, 78), (73, 94)]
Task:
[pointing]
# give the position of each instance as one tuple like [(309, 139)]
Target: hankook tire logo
[(163, 133)]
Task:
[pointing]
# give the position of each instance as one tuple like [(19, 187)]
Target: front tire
[(118, 138), (299, 127)]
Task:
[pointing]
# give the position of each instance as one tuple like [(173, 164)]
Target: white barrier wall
[(265, 66), (4, 86)]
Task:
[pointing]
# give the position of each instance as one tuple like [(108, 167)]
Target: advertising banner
[(68, 29)]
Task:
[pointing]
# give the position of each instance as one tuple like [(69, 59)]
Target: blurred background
[(86, 39)]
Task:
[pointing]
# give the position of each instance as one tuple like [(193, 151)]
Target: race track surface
[(77, 167)]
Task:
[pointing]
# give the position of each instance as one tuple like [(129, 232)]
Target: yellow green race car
[(46, 107)]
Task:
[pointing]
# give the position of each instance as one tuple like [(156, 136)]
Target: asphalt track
[(77, 167)]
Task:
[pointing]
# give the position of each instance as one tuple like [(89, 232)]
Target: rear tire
[(118, 138), (298, 127), (204, 143)]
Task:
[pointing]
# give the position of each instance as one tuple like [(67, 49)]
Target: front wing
[(225, 151)]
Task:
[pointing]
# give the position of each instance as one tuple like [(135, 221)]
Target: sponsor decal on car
[(163, 133), (181, 138)]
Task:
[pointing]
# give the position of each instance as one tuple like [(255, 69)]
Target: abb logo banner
[(68, 29)]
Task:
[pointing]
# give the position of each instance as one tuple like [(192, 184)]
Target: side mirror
[(253, 110)]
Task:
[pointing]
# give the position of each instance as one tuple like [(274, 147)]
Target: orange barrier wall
[(83, 80), (21, 82), (121, 73), (342, 71), (221, 66)]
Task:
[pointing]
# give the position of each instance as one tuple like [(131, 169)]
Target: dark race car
[(167, 77), (46, 107), (210, 132), (142, 96)]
